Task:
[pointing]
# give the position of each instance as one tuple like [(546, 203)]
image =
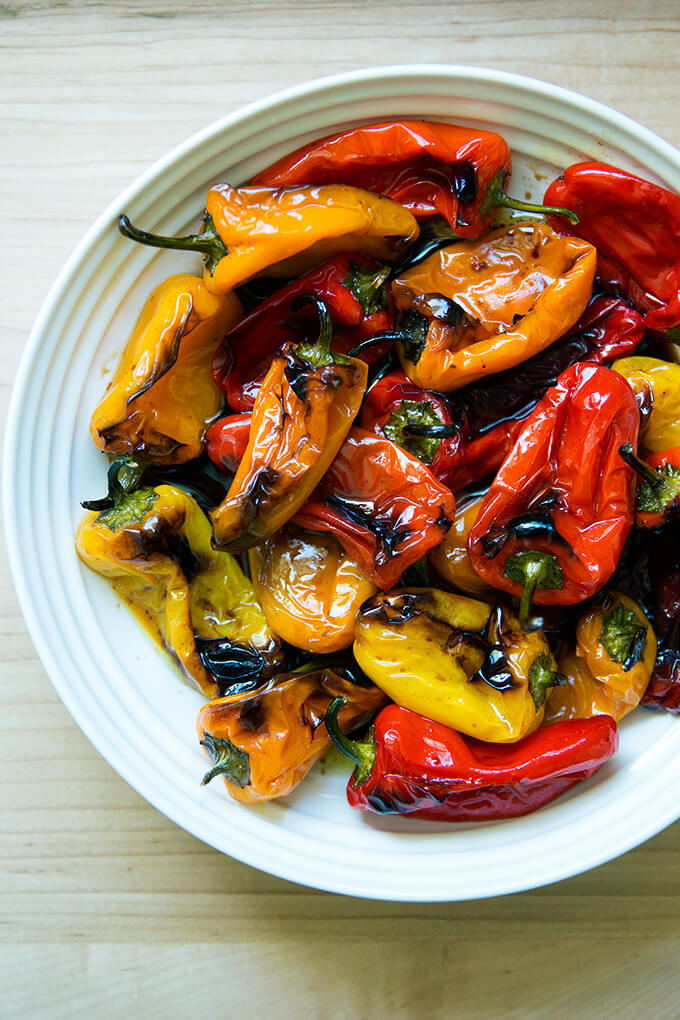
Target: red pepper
[(554, 521), (384, 505), (412, 765), (226, 441), (354, 292), (430, 168), (657, 500), (635, 226), (664, 568)]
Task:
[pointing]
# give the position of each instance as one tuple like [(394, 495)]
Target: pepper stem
[(320, 352), (362, 753), (122, 478), (208, 242), (388, 336), (532, 569), (495, 196), (638, 465), (440, 431)]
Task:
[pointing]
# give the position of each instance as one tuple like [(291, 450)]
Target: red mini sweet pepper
[(384, 505), (555, 519), (411, 765), (635, 226), (358, 302), (429, 167)]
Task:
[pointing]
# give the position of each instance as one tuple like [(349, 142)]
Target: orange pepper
[(450, 558), (480, 307), (162, 396), (264, 744), (309, 589), (611, 666)]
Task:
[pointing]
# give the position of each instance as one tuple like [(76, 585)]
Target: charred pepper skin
[(414, 766), (303, 412), (286, 231), (429, 167), (354, 291), (555, 519), (162, 397), (635, 226), (264, 744), (480, 307)]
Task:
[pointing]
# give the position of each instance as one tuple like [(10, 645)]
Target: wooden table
[(107, 909)]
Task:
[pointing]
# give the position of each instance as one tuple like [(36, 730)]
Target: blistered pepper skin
[(513, 294), (162, 395), (309, 589), (597, 684), (214, 601), (269, 741), (425, 649)]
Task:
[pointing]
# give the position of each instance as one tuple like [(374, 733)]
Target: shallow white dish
[(123, 693)]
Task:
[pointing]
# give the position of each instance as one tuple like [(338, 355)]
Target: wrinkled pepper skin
[(301, 418), (611, 666), (155, 549), (428, 650), (450, 558), (656, 384), (635, 226), (288, 231), (556, 517), (309, 589), (430, 168), (162, 396), (353, 290), (415, 766), (480, 307), (264, 744), (384, 506)]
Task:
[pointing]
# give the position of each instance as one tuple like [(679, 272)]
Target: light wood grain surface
[(106, 908)]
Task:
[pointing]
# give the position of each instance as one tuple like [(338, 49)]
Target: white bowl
[(123, 693)]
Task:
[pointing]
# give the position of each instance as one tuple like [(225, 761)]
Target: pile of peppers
[(400, 473)]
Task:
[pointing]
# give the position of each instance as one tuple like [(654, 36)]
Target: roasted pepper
[(286, 231), (303, 412), (358, 302), (383, 504), (635, 226), (450, 558), (264, 744), (457, 661), (555, 519), (427, 166), (309, 589), (226, 441), (657, 500), (411, 765), (162, 395), (656, 384), (153, 544), (611, 666), (480, 307)]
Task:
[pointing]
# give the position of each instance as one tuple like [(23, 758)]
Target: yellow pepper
[(611, 666), (656, 384), (287, 231), (309, 589), (457, 661), (162, 396), (450, 558), (154, 546), (480, 307)]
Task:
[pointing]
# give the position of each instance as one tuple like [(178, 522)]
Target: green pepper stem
[(208, 242), (362, 753), (495, 196), (638, 465), (122, 478), (388, 336), (441, 431), (320, 352), (532, 569)]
